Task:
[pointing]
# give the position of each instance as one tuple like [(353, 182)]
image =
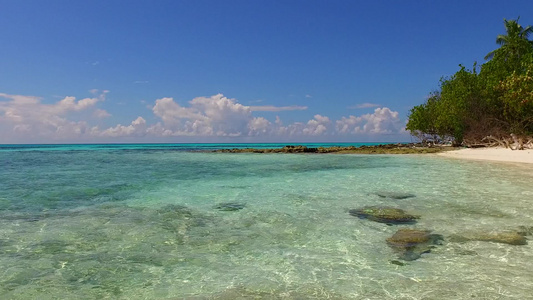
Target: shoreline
[(375, 149), (497, 154), (494, 154)]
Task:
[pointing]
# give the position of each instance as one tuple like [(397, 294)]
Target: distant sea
[(172, 147), (176, 221)]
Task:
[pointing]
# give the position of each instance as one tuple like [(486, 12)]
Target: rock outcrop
[(503, 237), (395, 195), (410, 244), (377, 149), (230, 206), (384, 214)]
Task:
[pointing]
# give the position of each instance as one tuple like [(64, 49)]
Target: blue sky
[(232, 71)]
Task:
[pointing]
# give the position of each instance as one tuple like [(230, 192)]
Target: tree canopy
[(494, 99), (514, 42)]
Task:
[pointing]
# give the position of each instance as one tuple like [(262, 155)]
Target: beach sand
[(492, 154)]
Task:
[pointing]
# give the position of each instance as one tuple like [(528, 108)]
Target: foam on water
[(134, 224)]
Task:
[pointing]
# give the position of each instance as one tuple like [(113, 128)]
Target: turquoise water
[(139, 222), (172, 147)]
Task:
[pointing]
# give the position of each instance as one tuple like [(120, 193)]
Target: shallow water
[(142, 224)]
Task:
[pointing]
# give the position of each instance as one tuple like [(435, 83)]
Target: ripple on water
[(136, 225)]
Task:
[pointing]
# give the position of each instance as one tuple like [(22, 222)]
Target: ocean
[(177, 221)]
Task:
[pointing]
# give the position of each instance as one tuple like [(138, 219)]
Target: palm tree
[(515, 43)]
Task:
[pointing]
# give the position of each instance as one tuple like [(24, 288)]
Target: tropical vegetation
[(487, 104)]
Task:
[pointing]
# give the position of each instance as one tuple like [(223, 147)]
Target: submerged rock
[(178, 218), (412, 243), (50, 247), (397, 262), (384, 214), (395, 195), (175, 208), (230, 206), (505, 237), (175, 211), (525, 230)]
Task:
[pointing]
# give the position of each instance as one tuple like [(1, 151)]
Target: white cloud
[(26, 114), (349, 124), (136, 128), (259, 126), (70, 104), (382, 121), (316, 126), (215, 116), (21, 99), (172, 113), (205, 116), (277, 108), (101, 114), (364, 105)]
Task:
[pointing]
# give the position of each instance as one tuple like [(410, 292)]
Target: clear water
[(134, 222), (173, 147)]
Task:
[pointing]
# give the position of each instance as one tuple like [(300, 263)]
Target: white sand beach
[(492, 154)]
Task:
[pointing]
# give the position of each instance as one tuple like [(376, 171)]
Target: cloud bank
[(26, 118)]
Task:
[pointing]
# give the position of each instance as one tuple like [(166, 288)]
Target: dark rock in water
[(175, 211), (505, 237), (410, 255), (178, 218), (397, 262), (384, 214), (395, 195), (230, 206), (411, 243), (297, 149), (377, 149), (525, 230), (406, 237), (50, 247)]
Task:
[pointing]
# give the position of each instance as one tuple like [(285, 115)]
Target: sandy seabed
[(492, 154)]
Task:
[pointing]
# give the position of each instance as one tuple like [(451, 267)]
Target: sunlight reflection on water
[(142, 225)]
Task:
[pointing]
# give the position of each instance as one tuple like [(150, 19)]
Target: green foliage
[(517, 100), (422, 119), (515, 43), (497, 100), (459, 95)]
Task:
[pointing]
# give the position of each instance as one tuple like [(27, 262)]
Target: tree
[(492, 105), (515, 43), (458, 105), (517, 100), (422, 118)]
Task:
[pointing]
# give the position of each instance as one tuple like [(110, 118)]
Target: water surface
[(93, 222)]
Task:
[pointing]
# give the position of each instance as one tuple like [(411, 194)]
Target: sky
[(232, 71)]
